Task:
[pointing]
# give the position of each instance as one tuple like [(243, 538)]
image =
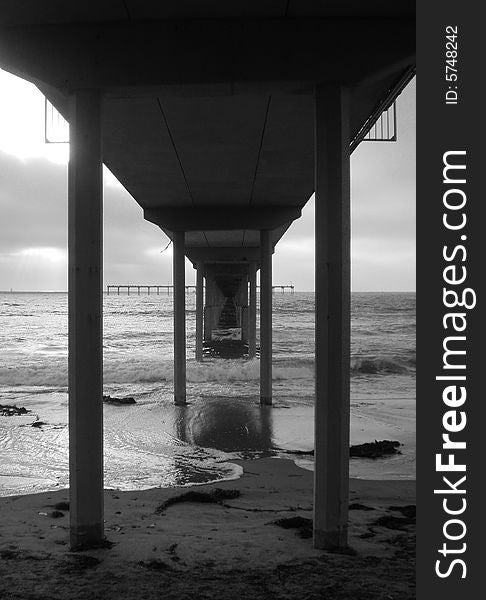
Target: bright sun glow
[(22, 121), (22, 125), (50, 255)]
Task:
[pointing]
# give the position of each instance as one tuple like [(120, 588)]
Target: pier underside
[(221, 119)]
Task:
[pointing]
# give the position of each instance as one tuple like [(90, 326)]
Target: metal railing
[(385, 127), (382, 107), (56, 128)]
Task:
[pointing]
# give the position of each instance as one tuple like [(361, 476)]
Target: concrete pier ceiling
[(221, 119)]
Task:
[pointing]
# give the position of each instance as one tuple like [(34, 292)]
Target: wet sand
[(228, 550), (154, 443)]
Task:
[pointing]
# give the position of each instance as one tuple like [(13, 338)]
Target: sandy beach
[(229, 548)]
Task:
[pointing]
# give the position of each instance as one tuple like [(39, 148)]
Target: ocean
[(154, 443)]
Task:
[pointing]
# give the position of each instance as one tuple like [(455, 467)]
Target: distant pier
[(168, 289)]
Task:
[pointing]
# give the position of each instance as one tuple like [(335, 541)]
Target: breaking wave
[(382, 365), (53, 372)]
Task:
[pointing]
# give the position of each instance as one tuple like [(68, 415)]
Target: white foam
[(52, 371)]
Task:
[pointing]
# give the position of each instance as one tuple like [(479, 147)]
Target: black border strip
[(441, 128)]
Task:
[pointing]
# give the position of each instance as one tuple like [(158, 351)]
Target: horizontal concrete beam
[(222, 255), (219, 56), (221, 218), (223, 269)]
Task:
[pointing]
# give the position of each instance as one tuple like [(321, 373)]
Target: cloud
[(33, 230), (32, 203)]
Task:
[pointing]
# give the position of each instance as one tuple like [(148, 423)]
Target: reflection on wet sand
[(229, 425)]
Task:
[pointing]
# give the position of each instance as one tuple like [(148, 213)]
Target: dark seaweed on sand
[(393, 522), (7, 410), (119, 401), (155, 564), (301, 524), (215, 496), (375, 449)]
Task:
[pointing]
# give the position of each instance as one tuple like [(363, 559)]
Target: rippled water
[(155, 443)]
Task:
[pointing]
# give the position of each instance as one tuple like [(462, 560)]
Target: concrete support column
[(265, 317), (252, 312), (332, 256), (85, 230), (179, 318), (209, 321), (199, 310)]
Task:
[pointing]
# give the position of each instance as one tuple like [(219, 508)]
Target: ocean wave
[(382, 365), (248, 371), (199, 372), (51, 369), (34, 375), (148, 370)]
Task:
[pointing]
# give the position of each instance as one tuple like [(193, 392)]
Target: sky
[(33, 212)]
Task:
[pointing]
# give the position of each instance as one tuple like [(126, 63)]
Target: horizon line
[(13, 291)]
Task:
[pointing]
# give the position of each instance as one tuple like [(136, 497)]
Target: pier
[(221, 119), (168, 289)]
